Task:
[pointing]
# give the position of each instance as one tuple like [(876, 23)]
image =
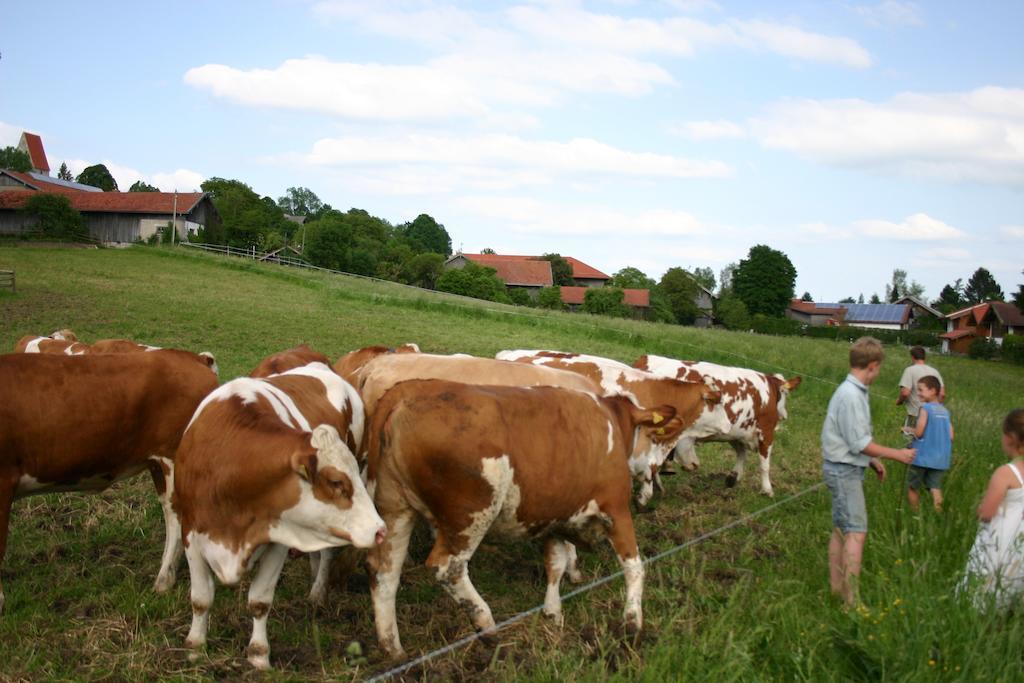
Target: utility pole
[(174, 216)]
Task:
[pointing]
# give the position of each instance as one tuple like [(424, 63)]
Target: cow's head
[(64, 335), (334, 508), (780, 391), (350, 366)]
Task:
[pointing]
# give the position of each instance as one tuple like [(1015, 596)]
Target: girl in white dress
[(995, 567)]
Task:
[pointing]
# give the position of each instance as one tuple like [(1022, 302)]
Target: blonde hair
[(865, 351)]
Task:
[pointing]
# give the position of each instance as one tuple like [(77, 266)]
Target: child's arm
[(994, 495), (922, 422), (950, 431)]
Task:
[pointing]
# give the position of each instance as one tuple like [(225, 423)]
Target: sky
[(856, 137)]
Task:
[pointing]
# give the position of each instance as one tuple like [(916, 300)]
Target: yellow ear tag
[(304, 473), (657, 418), (661, 431)]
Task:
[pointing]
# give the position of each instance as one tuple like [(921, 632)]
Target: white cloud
[(182, 180), (975, 136), (580, 155), (1012, 231), (890, 13), (709, 130), (941, 258), (918, 227), (526, 215), (694, 5)]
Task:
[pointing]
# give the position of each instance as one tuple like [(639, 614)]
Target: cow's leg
[(686, 451), (385, 567), (162, 471), (573, 567), (736, 475), (765, 449), (623, 539), (453, 573), (6, 500), (261, 595), (556, 562), (202, 591), (320, 567), (646, 491)]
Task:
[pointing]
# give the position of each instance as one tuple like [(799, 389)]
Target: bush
[(55, 215), (1013, 348), (519, 296), (764, 324), (605, 301), (551, 297), (982, 348)]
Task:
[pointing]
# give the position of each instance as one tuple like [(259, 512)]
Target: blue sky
[(857, 137)]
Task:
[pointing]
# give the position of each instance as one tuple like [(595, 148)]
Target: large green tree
[(634, 278), (982, 286), (732, 312), (605, 301), (143, 186), (899, 287), (99, 176), (951, 297), (705, 276), (479, 282), (14, 159), (764, 281), (561, 270), (300, 201), (353, 242), (551, 298), (426, 234), (249, 220), (681, 292), (423, 270)]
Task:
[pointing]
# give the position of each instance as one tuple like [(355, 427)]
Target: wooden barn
[(111, 217)]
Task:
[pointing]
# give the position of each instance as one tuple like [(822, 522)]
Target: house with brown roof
[(638, 299), (815, 315), (32, 144), (991, 319), (111, 217)]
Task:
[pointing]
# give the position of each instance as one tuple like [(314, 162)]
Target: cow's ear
[(792, 383), (304, 463), (662, 422)]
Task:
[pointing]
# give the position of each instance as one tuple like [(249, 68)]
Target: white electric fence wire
[(411, 664)]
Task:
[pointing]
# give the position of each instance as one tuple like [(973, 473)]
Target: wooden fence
[(7, 280)]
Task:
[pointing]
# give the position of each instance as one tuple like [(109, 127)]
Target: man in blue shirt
[(848, 450)]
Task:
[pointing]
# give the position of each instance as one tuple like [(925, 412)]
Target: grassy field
[(749, 604)]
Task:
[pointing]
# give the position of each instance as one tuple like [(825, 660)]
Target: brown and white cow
[(753, 403), (263, 467), (82, 423), (120, 346), (286, 360), (514, 461), (350, 366), (615, 378), (60, 342)]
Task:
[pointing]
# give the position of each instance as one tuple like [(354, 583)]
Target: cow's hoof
[(260, 662), (691, 466), (576, 577), (164, 582), (633, 623), (769, 493), (556, 618), (195, 651), (731, 479)]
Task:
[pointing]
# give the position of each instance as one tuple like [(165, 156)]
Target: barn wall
[(113, 227), (12, 222)]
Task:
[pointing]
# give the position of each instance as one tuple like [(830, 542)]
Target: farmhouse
[(111, 217), (638, 299), (992, 319), (908, 313)]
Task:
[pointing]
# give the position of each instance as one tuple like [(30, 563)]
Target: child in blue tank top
[(934, 443)]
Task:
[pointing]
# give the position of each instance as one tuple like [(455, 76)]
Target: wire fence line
[(462, 642), (478, 305)]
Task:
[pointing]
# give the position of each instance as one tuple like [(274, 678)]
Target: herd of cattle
[(307, 456)]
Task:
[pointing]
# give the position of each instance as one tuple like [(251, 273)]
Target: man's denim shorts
[(846, 484)]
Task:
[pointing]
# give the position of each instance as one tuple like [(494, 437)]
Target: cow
[(753, 403), (264, 466), (350, 366), (80, 424), (542, 462), (282, 361), (645, 389), (61, 342), (120, 346)]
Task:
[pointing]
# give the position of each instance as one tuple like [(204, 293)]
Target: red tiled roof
[(639, 298), (977, 310), (579, 268), (36, 152), (582, 270), (811, 308), (111, 202), (516, 270), (958, 334)]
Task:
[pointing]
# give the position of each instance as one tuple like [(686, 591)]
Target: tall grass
[(750, 604)]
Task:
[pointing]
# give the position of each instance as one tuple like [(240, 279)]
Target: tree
[(848, 300), (247, 218), (951, 297), (64, 173), (423, 270), (605, 301), (681, 291), (1018, 297), (353, 242), (519, 296), (487, 250), (807, 297), (561, 270), (97, 175), (55, 216), (899, 287), (875, 299), (632, 278), (982, 287), (732, 312), (14, 159), (426, 234), (300, 201), (725, 278), (860, 298), (479, 282), (142, 186), (764, 281), (705, 276), (551, 298)]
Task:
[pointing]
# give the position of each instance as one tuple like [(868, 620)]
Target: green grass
[(750, 604)]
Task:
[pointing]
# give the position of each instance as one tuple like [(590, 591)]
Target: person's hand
[(906, 455), (878, 467)]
